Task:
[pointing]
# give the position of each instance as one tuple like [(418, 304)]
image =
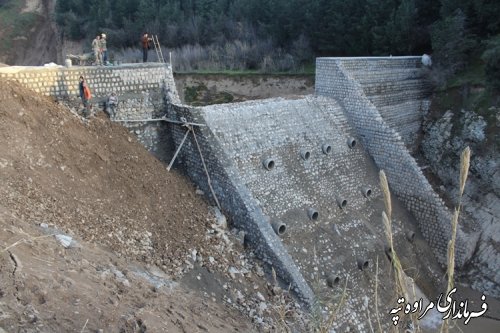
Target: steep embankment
[(463, 116), (93, 181), (28, 35)]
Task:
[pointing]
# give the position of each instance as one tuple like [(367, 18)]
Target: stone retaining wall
[(385, 145), (237, 142), (143, 90), (235, 198), (398, 88), (63, 82)]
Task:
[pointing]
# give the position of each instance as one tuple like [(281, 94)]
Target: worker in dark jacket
[(145, 46), (85, 95), (111, 105)]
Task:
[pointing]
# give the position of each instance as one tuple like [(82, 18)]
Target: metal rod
[(136, 120), (178, 150), (209, 180)]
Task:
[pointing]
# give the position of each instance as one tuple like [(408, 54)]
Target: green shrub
[(491, 57), (451, 42)]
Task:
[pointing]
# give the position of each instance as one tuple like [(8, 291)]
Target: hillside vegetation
[(285, 34), (27, 35), (12, 23)]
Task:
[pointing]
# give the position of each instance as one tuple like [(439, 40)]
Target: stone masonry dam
[(299, 176)]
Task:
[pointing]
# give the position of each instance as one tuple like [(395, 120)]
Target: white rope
[(158, 119), (190, 129), (178, 150)]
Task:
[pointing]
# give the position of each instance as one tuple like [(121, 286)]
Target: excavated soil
[(128, 217), (47, 288), (95, 180)]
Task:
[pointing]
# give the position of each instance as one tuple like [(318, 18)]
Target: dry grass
[(326, 308), (399, 274), (464, 170), (287, 318), (322, 323), (377, 312), (387, 221), (400, 280)]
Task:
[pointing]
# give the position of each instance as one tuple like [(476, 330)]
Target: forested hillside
[(324, 27), (27, 34)]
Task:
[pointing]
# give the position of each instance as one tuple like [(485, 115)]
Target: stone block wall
[(235, 198), (143, 90), (398, 88), (236, 141), (385, 145), (63, 82)]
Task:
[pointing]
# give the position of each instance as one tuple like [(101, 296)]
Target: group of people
[(86, 96), (101, 58), (100, 50)]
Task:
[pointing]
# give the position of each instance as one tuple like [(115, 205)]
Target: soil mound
[(94, 180)]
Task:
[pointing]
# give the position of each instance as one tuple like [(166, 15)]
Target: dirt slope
[(91, 176), (46, 288), (93, 181)]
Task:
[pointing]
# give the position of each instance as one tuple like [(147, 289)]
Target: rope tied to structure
[(209, 180), (190, 128)]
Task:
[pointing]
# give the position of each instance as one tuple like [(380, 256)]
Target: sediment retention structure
[(385, 145), (294, 176), (297, 175)]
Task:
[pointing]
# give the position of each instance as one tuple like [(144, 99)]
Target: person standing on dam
[(85, 95), (96, 47), (104, 49), (145, 46)]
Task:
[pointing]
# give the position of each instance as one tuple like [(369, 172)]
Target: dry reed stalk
[(384, 184), (464, 171), (326, 325), (376, 298), (399, 274)]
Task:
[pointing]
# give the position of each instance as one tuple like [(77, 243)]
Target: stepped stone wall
[(385, 145), (399, 90)]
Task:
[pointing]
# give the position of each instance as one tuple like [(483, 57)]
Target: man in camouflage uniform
[(96, 47)]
